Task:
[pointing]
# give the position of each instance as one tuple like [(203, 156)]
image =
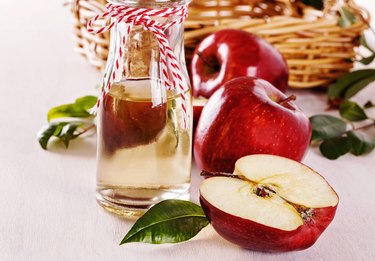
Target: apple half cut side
[(270, 203)]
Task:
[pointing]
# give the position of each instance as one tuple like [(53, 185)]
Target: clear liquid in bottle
[(144, 152)]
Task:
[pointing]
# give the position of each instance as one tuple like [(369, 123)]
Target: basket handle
[(362, 12)]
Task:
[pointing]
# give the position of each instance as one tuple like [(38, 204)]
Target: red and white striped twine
[(132, 16)]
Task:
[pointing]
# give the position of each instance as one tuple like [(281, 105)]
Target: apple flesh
[(228, 54), (249, 116), (273, 204)]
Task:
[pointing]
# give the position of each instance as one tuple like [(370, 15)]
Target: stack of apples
[(274, 203)]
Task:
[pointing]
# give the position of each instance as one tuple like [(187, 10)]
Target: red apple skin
[(235, 53), (197, 110), (255, 236), (241, 119), (198, 104)]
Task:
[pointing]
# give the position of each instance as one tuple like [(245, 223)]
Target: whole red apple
[(228, 54), (249, 116), (271, 204)]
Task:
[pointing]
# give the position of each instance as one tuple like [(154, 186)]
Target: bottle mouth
[(152, 3)]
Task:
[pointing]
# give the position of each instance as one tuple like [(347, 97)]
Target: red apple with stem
[(229, 54), (249, 116), (270, 203)]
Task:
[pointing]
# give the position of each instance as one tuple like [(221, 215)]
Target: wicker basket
[(316, 48)]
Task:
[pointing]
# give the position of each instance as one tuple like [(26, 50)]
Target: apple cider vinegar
[(144, 151), (144, 118)]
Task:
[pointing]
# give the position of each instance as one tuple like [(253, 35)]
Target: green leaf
[(347, 18), (86, 102), (317, 4), (349, 81), (67, 111), (170, 221), (355, 88), (49, 131), (64, 131), (59, 127), (352, 111), (367, 60), (79, 109), (67, 133), (326, 127), (335, 147), (361, 142)]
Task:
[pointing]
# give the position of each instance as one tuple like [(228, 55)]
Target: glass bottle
[(144, 148)]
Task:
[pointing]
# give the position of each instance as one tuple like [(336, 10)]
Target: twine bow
[(133, 16)]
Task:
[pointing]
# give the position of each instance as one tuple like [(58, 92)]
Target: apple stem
[(287, 99), (205, 173)]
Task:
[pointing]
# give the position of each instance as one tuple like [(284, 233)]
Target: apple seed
[(264, 191)]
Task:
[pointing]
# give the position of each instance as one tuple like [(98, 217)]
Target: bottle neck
[(142, 57)]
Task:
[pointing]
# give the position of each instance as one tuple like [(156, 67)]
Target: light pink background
[(48, 209)]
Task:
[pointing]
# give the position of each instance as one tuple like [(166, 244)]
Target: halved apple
[(269, 203)]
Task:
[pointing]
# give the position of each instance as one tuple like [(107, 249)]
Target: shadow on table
[(210, 247), (85, 147), (206, 237)]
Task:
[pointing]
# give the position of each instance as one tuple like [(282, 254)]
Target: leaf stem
[(352, 125), (86, 130), (205, 173), (364, 126)]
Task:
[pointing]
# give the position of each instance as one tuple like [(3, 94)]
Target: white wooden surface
[(48, 209)]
